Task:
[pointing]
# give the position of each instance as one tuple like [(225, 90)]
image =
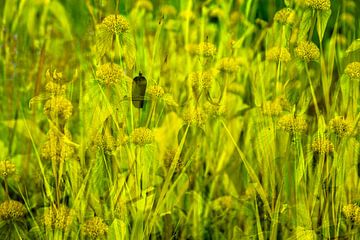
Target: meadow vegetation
[(175, 119)]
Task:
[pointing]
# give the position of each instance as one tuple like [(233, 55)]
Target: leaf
[(104, 40), (354, 46), (305, 25), (128, 49), (322, 20), (117, 230), (59, 12)]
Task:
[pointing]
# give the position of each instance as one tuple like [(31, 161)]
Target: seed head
[(94, 228), (350, 210), (292, 124), (285, 16), (353, 70), (168, 159), (55, 88), (194, 116), (307, 51), (12, 210), (7, 168), (142, 136), (58, 218), (115, 24), (206, 49), (214, 111), (58, 107), (228, 64), (322, 5), (271, 108), (55, 148), (156, 91), (322, 145), (202, 80), (341, 126), (109, 73), (278, 54)]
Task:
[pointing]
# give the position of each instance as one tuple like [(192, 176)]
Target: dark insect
[(138, 91)]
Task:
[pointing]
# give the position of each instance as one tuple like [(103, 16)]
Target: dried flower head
[(59, 218), (12, 210), (142, 136), (318, 4), (353, 70), (115, 24), (272, 108), (168, 10), (7, 168), (228, 64), (94, 228), (206, 49), (292, 124), (193, 116), (341, 126), (56, 148), (156, 91), (285, 16), (109, 73), (278, 54), (55, 88), (307, 51), (322, 145), (58, 107)]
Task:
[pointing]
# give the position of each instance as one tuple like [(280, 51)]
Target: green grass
[(243, 133)]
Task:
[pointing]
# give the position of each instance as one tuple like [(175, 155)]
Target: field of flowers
[(169, 119)]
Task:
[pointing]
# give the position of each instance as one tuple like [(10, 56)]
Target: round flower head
[(55, 88), (168, 10), (106, 141), (322, 145), (194, 116), (142, 136), (341, 126), (228, 64), (278, 54), (144, 4), (214, 111), (58, 218), (7, 168), (318, 4), (156, 91), (307, 51), (206, 49), (55, 148), (168, 159), (109, 73), (202, 80), (115, 24), (353, 70), (292, 124), (94, 228), (350, 210), (285, 16), (12, 210), (271, 108), (58, 107)]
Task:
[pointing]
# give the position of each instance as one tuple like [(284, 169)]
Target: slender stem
[(312, 91)]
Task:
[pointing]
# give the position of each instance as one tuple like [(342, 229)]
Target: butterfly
[(138, 91)]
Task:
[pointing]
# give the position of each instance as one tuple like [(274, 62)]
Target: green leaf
[(305, 25), (355, 45), (59, 12), (322, 20)]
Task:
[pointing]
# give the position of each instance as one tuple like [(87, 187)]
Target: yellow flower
[(202, 80), (214, 111), (142, 136), (12, 210), (307, 51), (341, 126), (285, 16), (156, 91), (228, 64), (206, 49), (94, 228), (349, 211), (168, 10), (58, 218), (115, 24), (318, 4), (292, 124), (353, 70), (58, 107), (271, 108), (278, 54), (194, 116), (55, 88), (7, 168), (322, 145), (109, 73)]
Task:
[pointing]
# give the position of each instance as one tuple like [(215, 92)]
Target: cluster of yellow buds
[(341, 126), (228, 64), (56, 148), (58, 108), (109, 74), (307, 51), (7, 168), (352, 212), (115, 24), (285, 16), (278, 54), (194, 116), (292, 124), (142, 136), (353, 70), (272, 108), (155, 91), (59, 218), (206, 49), (322, 145), (322, 5), (12, 210)]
